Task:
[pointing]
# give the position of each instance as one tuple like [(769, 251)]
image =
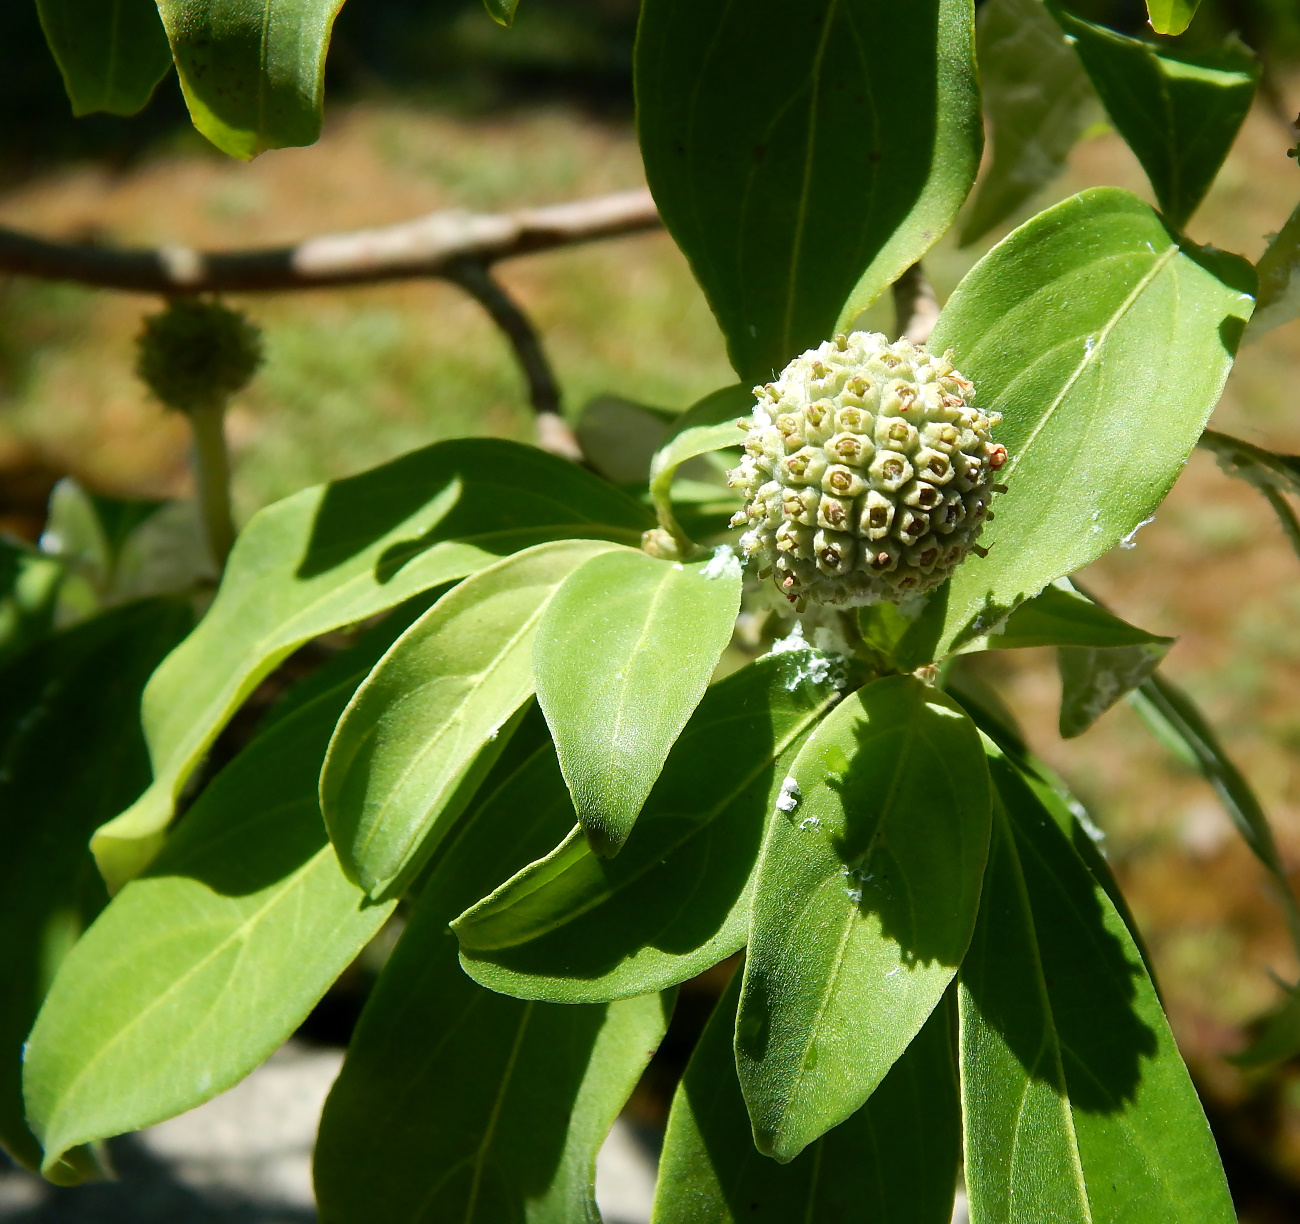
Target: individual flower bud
[(197, 353), (868, 475)]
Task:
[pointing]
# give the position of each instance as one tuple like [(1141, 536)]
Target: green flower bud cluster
[(867, 474), (197, 353)]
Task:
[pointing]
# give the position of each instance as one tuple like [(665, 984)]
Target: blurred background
[(431, 106)]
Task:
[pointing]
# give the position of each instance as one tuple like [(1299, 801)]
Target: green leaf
[(425, 727), (804, 156), (1179, 115), (1036, 96), (1174, 718), (455, 1103), (73, 698), (1105, 347), (1279, 1035), (252, 74), (30, 582), (576, 928), (1101, 657), (1264, 469), (116, 550), (619, 437), (502, 11), (1171, 16), (1061, 616), (1279, 280), (91, 531), (709, 425), (1094, 680), (202, 967), (866, 897), (992, 717), (1274, 475), (1077, 1106), (892, 1162), (112, 53), (333, 555), (623, 654)]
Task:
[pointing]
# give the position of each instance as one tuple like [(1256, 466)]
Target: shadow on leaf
[(1046, 967), (494, 495)]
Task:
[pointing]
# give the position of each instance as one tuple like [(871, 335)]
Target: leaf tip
[(605, 843)]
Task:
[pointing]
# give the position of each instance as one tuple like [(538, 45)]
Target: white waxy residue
[(789, 797), (810, 822), (819, 665), (723, 564), (1130, 540), (856, 880)]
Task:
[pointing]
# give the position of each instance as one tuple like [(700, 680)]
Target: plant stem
[(553, 432), (1286, 516), (212, 477), (916, 309)]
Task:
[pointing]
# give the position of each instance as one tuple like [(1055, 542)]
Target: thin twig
[(428, 246), (1286, 516), (552, 430), (479, 283), (916, 309)]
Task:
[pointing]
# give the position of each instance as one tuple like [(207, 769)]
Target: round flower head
[(197, 352), (867, 474)]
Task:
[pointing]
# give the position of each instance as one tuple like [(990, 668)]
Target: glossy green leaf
[(709, 425), (1076, 1104), (74, 697), (423, 730), (998, 724), (112, 53), (866, 897), (1101, 658), (892, 1162), (1279, 280), (253, 74), (199, 969), (456, 1103), (803, 156), (1171, 16), (1060, 616), (502, 11), (1036, 97), (1178, 115), (1174, 718), (1105, 347), (333, 555), (576, 928), (623, 654), (1094, 680)]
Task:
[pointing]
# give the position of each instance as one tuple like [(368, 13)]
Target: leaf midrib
[(240, 933), (831, 983), (1103, 337), (671, 848), (474, 683)]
